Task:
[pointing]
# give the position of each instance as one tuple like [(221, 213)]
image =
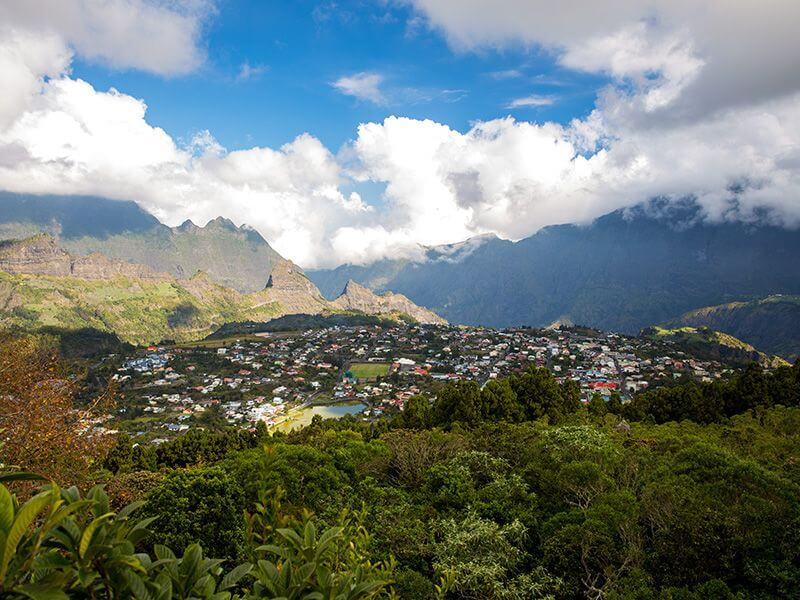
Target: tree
[(540, 395), (417, 413), (597, 406), (485, 560), (200, 505), (499, 402), (42, 430), (458, 402)]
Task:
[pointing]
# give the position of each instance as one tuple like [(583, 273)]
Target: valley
[(282, 378)]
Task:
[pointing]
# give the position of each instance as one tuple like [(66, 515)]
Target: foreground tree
[(41, 427)]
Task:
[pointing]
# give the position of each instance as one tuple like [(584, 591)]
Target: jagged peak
[(353, 286), (187, 225), (223, 223), (284, 271)]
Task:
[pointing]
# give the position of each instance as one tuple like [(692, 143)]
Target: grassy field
[(368, 370)]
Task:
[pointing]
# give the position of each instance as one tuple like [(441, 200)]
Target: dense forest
[(513, 491)]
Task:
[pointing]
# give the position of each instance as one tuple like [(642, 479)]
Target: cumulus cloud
[(364, 86), (150, 35), (748, 49), (660, 128)]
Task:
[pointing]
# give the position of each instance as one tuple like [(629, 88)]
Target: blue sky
[(297, 49)]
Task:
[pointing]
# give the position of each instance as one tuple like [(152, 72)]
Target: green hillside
[(771, 324), (138, 311), (708, 344)]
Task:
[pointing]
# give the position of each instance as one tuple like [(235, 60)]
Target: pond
[(301, 418)]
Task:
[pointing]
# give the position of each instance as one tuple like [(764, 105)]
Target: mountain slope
[(626, 271), (708, 344), (356, 297), (236, 257), (42, 285), (771, 324)]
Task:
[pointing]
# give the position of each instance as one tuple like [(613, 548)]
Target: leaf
[(6, 509), (232, 578), (86, 538), (25, 517), (41, 591), (19, 476), (130, 508), (137, 586)]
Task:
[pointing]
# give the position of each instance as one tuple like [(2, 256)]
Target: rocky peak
[(222, 223), (286, 275), (357, 297), (288, 285), (187, 226)]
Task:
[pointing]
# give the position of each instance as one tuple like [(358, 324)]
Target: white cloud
[(658, 129), (748, 49), (531, 101), (151, 35), (506, 74), (248, 71), (364, 86)]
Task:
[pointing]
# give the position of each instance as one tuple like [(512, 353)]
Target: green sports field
[(368, 370)]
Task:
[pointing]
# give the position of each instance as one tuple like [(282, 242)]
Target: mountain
[(625, 271), (356, 297), (705, 343), (771, 324), (236, 257), (44, 286)]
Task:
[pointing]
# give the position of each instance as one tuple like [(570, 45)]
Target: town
[(285, 379)]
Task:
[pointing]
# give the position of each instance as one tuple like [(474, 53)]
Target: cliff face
[(41, 283), (289, 286), (357, 297), (40, 255)]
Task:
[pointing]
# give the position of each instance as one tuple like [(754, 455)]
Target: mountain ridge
[(234, 256), (771, 324), (43, 285), (625, 271)]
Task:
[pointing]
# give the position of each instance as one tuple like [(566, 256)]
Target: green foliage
[(202, 505), (59, 545), (333, 563), (531, 395), (486, 560), (713, 402)]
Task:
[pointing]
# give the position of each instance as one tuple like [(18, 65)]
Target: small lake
[(303, 417)]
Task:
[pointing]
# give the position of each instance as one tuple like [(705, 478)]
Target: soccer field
[(368, 370)]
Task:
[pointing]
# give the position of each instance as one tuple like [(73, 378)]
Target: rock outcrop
[(41, 283), (288, 285), (37, 255), (357, 297), (41, 255)]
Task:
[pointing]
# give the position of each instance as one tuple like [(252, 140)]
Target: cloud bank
[(691, 110)]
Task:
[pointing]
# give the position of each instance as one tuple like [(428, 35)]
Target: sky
[(355, 130)]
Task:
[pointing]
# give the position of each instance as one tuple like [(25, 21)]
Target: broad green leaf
[(232, 578), (26, 515), (86, 538), (42, 592)]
